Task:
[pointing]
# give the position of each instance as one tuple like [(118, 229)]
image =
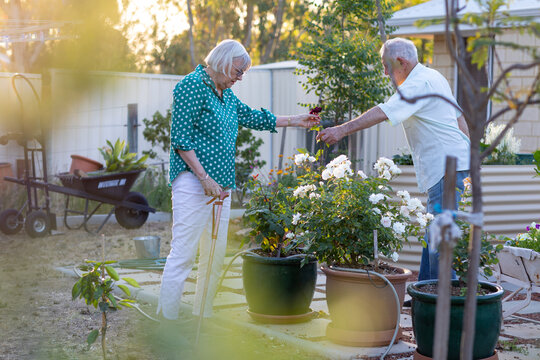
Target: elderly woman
[(205, 119)]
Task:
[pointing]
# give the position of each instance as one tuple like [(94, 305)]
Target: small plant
[(527, 240), (95, 286), (488, 251), (118, 158)]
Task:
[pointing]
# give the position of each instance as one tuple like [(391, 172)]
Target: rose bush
[(337, 210)]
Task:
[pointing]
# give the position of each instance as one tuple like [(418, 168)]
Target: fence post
[(446, 248), (132, 125)]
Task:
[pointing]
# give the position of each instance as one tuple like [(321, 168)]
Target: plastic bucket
[(147, 247)]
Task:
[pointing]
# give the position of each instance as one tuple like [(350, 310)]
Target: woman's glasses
[(239, 72)]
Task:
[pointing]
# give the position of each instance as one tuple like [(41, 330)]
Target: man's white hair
[(220, 59), (399, 47)]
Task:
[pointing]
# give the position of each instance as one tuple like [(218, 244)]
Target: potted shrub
[(279, 276), (338, 213), (489, 304)]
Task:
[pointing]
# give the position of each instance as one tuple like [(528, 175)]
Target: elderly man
[(433, 127)]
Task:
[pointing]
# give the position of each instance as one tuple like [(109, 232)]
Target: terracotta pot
[(362, 307), (5, 170), (83, 163)]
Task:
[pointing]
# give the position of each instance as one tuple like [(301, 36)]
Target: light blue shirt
[(430, 125)]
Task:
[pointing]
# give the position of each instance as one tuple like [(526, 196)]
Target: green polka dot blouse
[(208, 124)]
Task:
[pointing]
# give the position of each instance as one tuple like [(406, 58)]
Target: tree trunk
[(469, 315), (103, 333), (274, 36), (248, 24), (190, 34)]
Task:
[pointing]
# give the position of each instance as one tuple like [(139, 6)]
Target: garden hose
[(398, 310)]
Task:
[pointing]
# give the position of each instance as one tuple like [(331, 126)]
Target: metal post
[(132, 125), (442, 319)]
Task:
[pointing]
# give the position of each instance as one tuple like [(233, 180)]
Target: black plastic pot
[(278, 286), (488, 320)]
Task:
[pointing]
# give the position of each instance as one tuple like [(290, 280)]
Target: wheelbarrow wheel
[(132, 218), (11, 221), (37, 224)]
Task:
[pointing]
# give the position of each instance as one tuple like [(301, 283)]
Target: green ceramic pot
[(278, 286), (488, 320)]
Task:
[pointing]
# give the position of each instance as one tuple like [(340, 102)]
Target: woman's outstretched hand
[(305, 120)]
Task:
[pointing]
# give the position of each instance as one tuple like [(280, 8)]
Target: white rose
[(375, 198), (376, 211), (404, 194), (326, 174), (314, 195), (362, 174), (394, 170), (429, 216), (339, 172), (299, 158), (399, 228), (311, 159), (386, 175), (296, 217), (386, 221), (404, 211), (290, 235), (422, 221), (395, 256)]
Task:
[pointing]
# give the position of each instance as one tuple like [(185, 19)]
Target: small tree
[(158, 132), (341, 59), (95, 286)]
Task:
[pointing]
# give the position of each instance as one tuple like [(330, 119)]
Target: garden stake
[(216, 215)]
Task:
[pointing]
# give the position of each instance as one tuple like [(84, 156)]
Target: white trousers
[(192, 224)]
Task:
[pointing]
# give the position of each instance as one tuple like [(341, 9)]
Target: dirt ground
[(39, 320)]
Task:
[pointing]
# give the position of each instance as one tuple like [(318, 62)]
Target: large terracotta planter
[(362, 307), (488, 320), (83, 163), (279, 290)]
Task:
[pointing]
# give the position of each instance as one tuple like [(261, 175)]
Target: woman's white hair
[(220, 59), (399, 47)]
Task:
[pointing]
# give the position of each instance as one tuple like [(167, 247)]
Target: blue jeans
[(429, 264)]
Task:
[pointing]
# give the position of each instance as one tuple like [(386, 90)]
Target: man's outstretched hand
[(331, 135)]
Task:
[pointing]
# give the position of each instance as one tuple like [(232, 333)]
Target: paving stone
[(405, 321), (529, 353), (321, 280), (122, 271), (533, 307), (234, 283), (313, 329), (228, 298), (349, 352), (319, 305), (524, 331), (144, 277)]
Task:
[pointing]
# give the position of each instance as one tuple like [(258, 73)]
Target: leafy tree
[(158, 132), (341, 59)]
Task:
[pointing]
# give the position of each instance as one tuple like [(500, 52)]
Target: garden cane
[(216, 215)]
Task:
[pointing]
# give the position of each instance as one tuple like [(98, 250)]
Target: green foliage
[(488, 251), (157, 131), (536, 155), (154, 185), (341, 59), (403, 159), (269, 213), (342, 210), (247, 159), (95, 287), (505, 153), (118, 158)]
